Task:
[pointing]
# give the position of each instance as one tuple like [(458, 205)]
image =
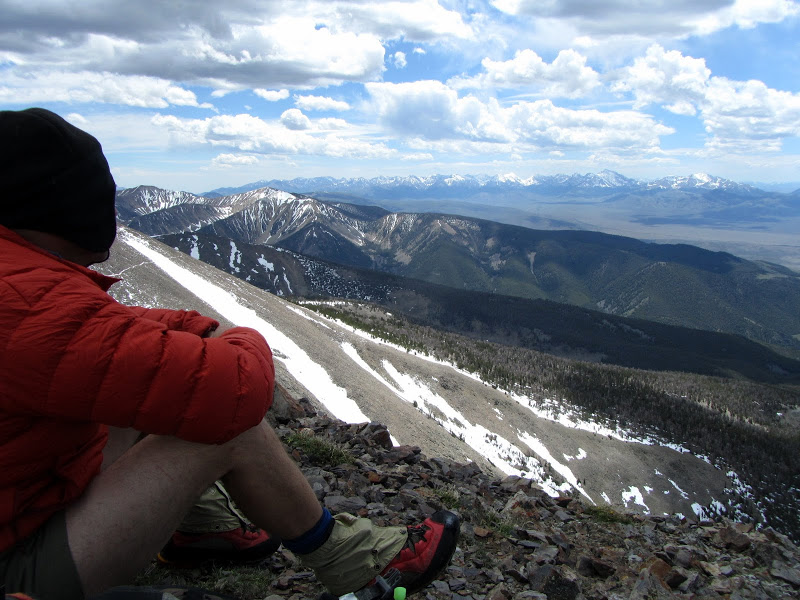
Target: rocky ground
[(516, 541)]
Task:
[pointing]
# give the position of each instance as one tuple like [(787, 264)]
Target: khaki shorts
[(41, 565)]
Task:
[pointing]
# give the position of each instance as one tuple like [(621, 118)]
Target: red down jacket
[(73, 361)]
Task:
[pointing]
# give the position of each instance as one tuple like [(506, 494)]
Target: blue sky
[(201, 95)]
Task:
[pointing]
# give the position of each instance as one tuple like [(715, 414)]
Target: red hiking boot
[(243, 545), (427, 551)]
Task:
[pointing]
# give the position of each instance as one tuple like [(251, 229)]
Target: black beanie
[(54, 178)]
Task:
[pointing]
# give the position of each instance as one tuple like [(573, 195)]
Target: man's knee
[(252, 440)]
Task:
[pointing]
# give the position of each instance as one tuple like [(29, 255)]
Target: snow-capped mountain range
[(699, 209), (603, 181)]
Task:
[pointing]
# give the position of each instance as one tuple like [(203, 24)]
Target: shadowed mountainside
[(536, 324), (672, 284)]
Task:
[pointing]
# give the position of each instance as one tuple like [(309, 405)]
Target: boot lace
[(250, 531), (416, 534)]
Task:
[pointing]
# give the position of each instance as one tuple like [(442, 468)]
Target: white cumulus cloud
[(747, 14), (238, 44), (248, 134), (432, 111), (320, 103), (87, 86), (416, 20), (295, 119), (77, 119), (332, 123), (399, 60), (678, 82), (566, 76), (546, 125), (234, 160), (226, 48), (748, 114), (737, 115), (271, 95)]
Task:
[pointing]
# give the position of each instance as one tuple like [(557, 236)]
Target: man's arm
[(94, 359), (179, 320)]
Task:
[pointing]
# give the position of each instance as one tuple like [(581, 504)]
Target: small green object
[(399, 593)]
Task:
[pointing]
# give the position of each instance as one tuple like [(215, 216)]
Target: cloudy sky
[(196, 95)]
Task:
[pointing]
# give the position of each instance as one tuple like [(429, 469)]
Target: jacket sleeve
[(85, 357), (179, 320)]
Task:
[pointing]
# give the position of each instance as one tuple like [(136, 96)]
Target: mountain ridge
[(604, 180), (698, 209), (675, 284)]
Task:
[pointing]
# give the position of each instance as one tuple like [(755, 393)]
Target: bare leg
[(130, 510), (209, 512)]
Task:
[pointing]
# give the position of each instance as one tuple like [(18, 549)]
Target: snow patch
[(539, 448), (236, 257), (314, 377), (194, 251), (634, 495), (580, 456), (501, 453), (683, 494), (268, 266)]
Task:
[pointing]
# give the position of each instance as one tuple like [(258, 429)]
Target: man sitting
[(84, 506)]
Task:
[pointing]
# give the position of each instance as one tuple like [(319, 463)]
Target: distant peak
[(508, 177)]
